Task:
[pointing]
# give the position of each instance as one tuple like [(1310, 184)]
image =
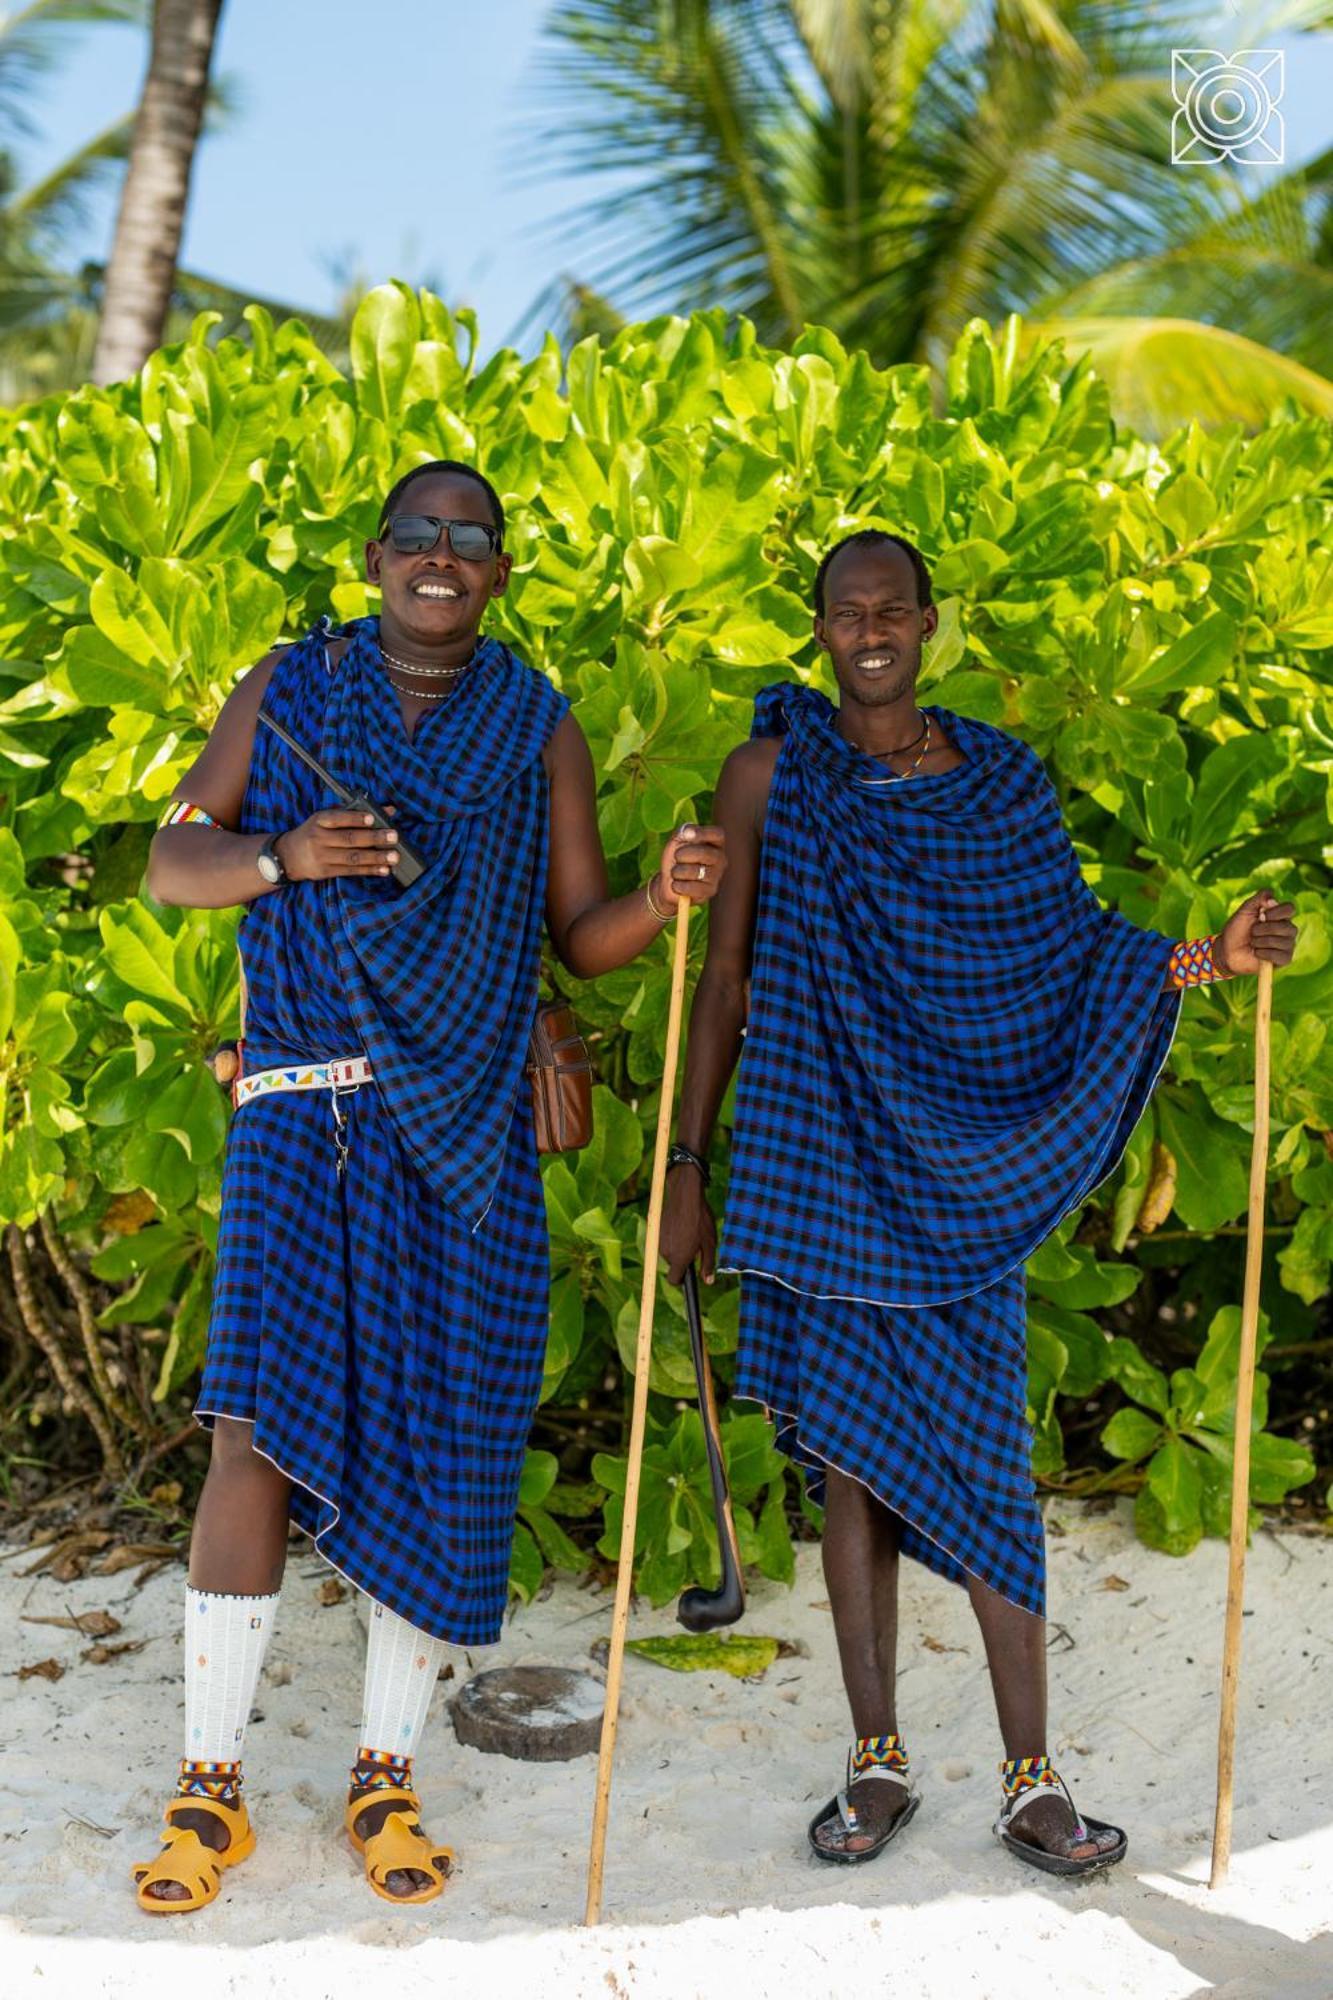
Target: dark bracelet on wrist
[(684, 1156)]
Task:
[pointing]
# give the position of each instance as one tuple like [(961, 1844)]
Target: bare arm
[(212, 868), (591, 931), (721, 1002)]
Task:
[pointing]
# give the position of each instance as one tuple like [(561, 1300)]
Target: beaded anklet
[(873, 1756), (1026, 1774), (381, 1771), (207, 1778)]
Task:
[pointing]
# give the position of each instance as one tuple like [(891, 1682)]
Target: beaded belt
[(343, 1073), (341, 1077)]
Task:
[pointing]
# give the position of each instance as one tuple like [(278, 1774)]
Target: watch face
[(268, 865)]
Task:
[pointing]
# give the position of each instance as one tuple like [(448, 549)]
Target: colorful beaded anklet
[(206, 1778), (1025, 1774), (381, 1771), (877, 1753)]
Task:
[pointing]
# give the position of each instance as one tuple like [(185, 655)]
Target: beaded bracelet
[(181, 813), (1193, 964)]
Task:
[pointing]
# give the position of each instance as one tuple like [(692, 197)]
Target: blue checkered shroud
[(948, 1046), (386, 1333)]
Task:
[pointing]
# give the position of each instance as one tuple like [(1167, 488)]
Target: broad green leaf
[(773, 1544), (383, 344), (752, 1462), (743, 1655), (1173, 1475), (9, 966), (537, 1478), (1130, 1434), (139, 952), (1277, 1466), (32, 1171), (1152, 1526), (1088, 1283), (103, 675), (556, 1546), (525, 1564), (1080, 1341), (1305, 1258), (1212, 1181), (1228, 791), (1137, 1376), (1197, 658), (193, 1110)]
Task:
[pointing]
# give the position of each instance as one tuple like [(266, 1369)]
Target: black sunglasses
[(413, 534)]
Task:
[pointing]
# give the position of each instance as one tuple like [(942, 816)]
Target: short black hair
[(458, 470), (868, 538)]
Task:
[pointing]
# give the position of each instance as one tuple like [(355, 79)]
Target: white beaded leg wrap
[(225, 1642), (402, 1667)]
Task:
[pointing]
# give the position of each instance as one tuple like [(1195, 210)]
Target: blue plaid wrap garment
[(949, 1044), (386, 1332)]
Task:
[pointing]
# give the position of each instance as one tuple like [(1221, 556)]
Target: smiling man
[(947, 1044), (379, 1313)]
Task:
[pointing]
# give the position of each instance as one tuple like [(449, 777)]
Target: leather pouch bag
[(560, 1073)]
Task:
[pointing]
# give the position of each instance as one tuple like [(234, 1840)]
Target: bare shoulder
[(242, 704), (566, 748), (744, 781)]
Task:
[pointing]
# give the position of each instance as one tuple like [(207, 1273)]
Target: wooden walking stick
[(1240, 1475), (638, 1422)]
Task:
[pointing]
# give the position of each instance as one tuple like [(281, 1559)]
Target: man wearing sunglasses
[(379, 1314)]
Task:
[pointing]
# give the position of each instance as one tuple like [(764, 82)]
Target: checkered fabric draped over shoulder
[(439, 979), (950, 1040)]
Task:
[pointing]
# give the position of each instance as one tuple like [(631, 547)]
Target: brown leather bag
[(560, 1073)]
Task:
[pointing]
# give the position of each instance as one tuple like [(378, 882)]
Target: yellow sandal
[(187, 1860), (396, 1846)]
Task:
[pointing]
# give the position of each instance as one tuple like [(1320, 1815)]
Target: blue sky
[(382, 131), (385, 133)]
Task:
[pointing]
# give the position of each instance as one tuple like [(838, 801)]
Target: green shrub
[(1156, 621)]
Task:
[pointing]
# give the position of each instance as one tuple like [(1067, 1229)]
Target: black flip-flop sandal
[(841, 1807), (1085, 1825)]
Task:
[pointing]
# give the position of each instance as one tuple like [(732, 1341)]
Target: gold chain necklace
[(896, 777)]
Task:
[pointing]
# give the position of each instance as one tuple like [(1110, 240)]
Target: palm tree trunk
[(142, 269)]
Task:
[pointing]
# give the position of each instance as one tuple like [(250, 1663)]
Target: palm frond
[(194, 293), (60, 200), (1163, 373), (1260, 269), (838, 38), (31, 40), (681, 102)]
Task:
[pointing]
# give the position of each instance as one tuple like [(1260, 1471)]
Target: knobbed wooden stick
[(1240, 1476), (638, 1422)]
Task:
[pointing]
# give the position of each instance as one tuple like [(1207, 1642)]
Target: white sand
[(709, 1889)]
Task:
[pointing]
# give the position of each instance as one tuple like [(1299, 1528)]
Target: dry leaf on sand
[(90, 1624), (98, 1655), (47, 1670)]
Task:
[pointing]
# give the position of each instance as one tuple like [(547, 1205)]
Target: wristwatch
[(269, 862)]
